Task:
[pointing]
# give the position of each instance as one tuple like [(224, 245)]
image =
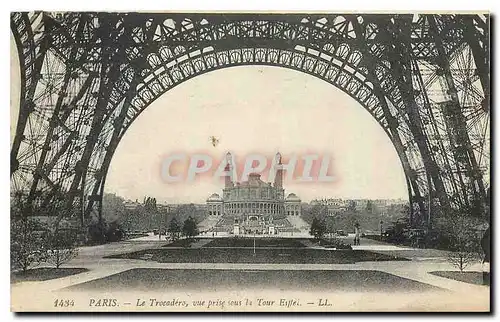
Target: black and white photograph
[(214, 161)]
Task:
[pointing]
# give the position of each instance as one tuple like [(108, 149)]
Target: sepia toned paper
[(250, 162)]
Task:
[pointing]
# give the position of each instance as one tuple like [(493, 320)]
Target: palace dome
[(214, 197), (292, 197)]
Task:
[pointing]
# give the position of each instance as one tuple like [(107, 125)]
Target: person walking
[(356, 234)]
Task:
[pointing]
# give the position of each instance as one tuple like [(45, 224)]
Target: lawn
[(44, 274), (259, 242), (466, 277), (152, 279), (261, 256), (181, 243)]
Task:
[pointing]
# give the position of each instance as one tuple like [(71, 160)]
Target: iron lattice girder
[(456, 76), (111, 87), (139, 31)]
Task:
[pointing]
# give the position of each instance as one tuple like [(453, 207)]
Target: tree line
[(188, 229), (37, 237), (455, 231), (367, 215)]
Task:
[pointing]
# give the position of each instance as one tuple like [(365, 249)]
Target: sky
[(251, 110), (256, 109)]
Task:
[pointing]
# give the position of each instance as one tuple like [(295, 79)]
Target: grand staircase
[(299, 223), (208, 223), (225, 223)]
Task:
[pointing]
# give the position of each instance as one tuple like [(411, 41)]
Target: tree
[(150, 204), (330, 225), (61, 246), (319, 211), (316, 211), (103, 231), (351, 206), (190, 229), (396, 231), (114, 232), (97, 230), (318, 228), (26, 235), (26, 242), (151, 210), (174, 229), (369, 206), (113, 207), (464, 242)]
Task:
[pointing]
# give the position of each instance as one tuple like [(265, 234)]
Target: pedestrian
[(356, 234)]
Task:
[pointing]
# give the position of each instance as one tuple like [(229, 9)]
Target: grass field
[(259, 242), (261, 256), (44, 274), (467, 277), (151, 279), (181, 243)]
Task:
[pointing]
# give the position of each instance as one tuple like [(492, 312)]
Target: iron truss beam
[(85, 77)]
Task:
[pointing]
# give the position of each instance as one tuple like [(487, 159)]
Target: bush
[(26, 242), (397, 233), (103, 232), (457, 232), (334, 243), (114, 232), (464, 244), (61, 246), (318, 228), (97, 232)]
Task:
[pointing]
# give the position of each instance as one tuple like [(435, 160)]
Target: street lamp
[(254, 242), (160, 224), (381, 226)]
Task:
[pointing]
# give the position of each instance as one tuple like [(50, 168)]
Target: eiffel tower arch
[(85, 77)]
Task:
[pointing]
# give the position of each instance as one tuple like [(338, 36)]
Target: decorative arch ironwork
[(86, 76)]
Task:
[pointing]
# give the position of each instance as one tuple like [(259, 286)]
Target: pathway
[(423, 262)]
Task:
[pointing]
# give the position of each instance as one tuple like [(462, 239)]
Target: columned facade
[(215, 206), (292, 205), (263, 207), (265, 200)]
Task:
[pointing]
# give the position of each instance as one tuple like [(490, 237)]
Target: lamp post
[(160, 225), (254, 242), (381, 227)]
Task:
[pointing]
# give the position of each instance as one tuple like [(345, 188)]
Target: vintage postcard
[(243, 162)]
